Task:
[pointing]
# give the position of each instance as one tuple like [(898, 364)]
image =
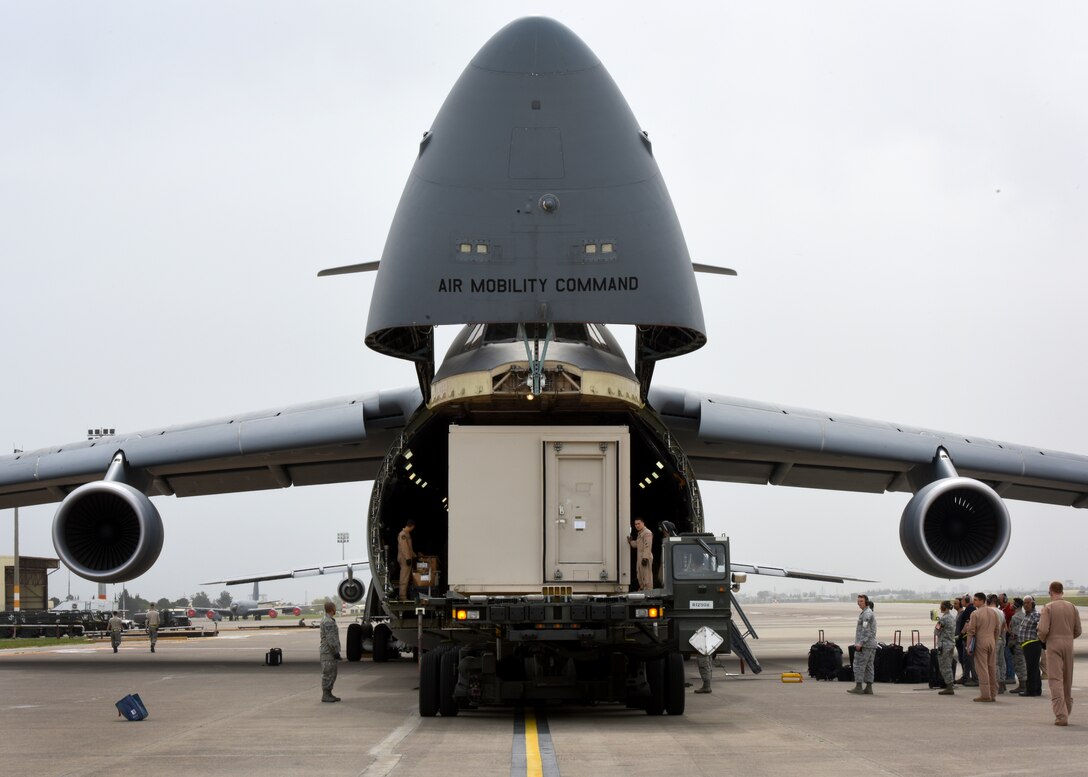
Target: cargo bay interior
[(416, 484)]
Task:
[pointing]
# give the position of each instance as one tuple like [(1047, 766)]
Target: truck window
[(691, 562)]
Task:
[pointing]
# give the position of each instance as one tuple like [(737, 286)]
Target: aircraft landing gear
[(383, 636)]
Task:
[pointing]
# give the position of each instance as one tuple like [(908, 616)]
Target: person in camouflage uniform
[(114, 627), (1018, 616), (945, 631), (152, 625), (864, 647), (329, 652)]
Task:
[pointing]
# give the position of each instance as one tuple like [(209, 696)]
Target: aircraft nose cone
[(535, 168), (535, 45)]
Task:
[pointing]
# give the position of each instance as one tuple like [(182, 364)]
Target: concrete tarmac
[(215, 709)]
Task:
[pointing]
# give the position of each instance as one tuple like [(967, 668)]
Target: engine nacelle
[(107, 532), (955, 527), (351, 590)]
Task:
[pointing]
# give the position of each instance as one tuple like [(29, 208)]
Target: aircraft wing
[(759, 569), (744, 441), (335, 568), (200, 612), (330, 441)]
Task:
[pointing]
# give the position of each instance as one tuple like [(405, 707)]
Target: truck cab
[(697, 580)]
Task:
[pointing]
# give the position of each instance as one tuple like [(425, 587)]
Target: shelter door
[(580, 512)]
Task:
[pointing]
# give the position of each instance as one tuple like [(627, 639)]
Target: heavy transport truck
[(531, 597)]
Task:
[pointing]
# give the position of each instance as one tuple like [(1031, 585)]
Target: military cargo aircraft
[(257, 607), (535, 216), (254, 606)]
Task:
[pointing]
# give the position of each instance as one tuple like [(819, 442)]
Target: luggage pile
[(916, 664)]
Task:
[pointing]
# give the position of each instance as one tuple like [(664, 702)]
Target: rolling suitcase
[(824, 659), (916, 661), (846, 674), (888, 664), (273, 657)]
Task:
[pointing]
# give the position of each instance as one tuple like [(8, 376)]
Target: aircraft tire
[(382, 636), (354, 647), (674, 684), (447, 705), (429, 676), (655, 678)]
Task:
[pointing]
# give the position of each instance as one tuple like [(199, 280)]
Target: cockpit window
[(595, 336), (500, 333), (571, 333), (691, 562), (483, 334), (473, 337)]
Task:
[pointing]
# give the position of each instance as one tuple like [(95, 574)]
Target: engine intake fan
[(107, 532), (351, 590), (955, 527)]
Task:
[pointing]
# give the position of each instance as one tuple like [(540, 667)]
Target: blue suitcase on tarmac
[(132, 707)]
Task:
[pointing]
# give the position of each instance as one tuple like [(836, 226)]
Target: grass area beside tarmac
[(11, 644)]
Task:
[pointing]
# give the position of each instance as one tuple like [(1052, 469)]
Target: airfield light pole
[(15, 576), (15, 579), (342, 538)]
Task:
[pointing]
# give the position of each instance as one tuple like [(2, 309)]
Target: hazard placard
[(706, 640)]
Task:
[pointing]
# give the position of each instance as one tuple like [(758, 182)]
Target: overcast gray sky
[(902, 188)]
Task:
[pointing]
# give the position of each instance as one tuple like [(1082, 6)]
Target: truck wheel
[(674, 684), (382, 636), (354, 647), (655, 678), (428, 683), (447, 705)]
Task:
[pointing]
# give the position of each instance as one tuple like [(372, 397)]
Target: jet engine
[(955, 527), (351, 590), (107, 532)]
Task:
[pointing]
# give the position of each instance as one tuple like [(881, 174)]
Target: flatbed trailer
[(486, 650), (49, 623)]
